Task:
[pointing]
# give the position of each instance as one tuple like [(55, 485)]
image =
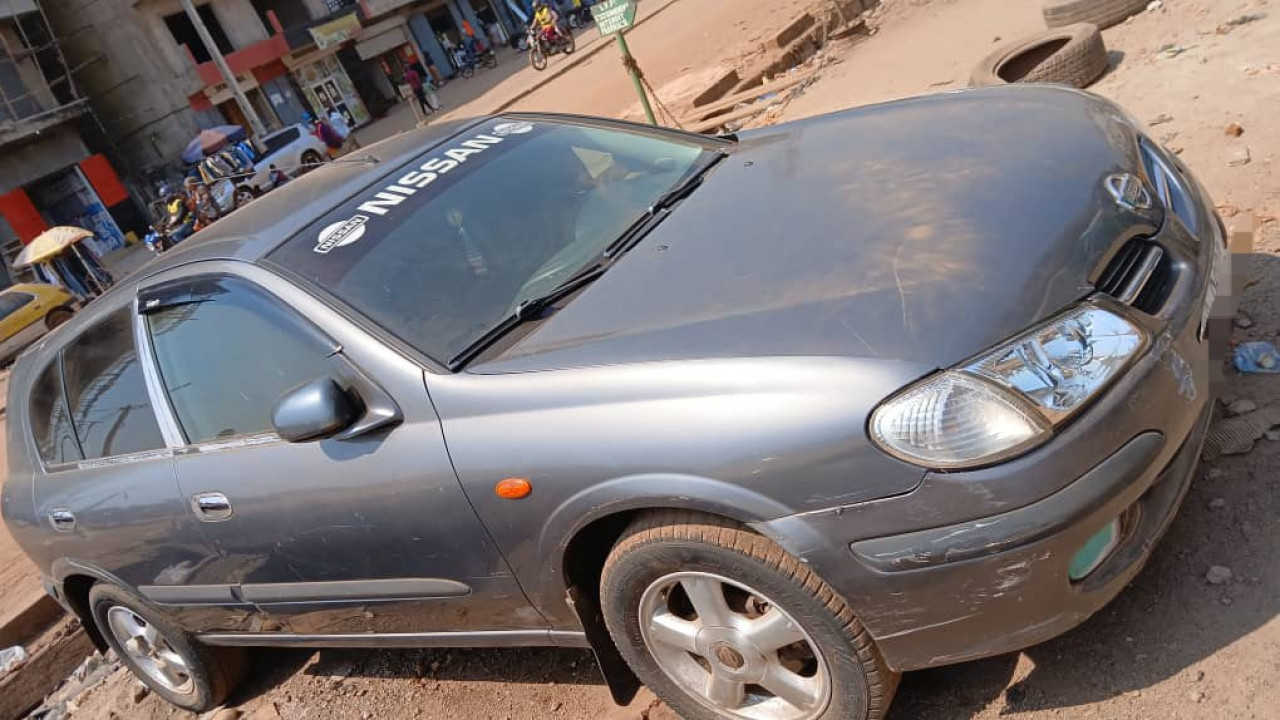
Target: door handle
[(62, 520), (211, 506)]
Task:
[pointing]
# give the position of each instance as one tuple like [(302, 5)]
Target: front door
[(336, 536)]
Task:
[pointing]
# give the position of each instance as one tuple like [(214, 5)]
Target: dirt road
[(1173, 645)]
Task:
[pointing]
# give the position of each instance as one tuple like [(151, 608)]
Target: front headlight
[(1009, 399)]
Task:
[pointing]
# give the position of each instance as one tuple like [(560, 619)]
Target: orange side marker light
[(513, 488)]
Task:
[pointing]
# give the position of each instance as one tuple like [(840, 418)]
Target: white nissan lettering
[(394, 194)]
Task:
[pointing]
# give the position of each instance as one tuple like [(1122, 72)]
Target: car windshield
[(446, 248)]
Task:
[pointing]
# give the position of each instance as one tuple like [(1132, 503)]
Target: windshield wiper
[(527, 310), (659, 209), (533, 308)]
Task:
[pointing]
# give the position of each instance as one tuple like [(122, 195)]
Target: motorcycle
[(579, 18), (540, 48), (486, 59)]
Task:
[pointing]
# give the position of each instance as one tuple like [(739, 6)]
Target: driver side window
[(226, 352)]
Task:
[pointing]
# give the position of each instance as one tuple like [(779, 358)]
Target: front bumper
[(973, 564)]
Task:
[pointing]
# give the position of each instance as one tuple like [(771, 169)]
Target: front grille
[(1140, 275)]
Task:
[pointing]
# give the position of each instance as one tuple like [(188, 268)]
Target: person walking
[(339, 124), (419, 87), (325, 133)]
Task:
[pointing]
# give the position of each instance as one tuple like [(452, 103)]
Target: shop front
[(326, 85), (87, 194), (388, 49)]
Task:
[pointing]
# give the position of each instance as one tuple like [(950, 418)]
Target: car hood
[(923, 230)]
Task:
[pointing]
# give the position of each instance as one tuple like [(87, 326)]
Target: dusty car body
[(731, 373)]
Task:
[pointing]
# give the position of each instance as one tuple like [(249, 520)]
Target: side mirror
[(313, 411)]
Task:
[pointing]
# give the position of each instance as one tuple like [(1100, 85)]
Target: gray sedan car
[(763, 420)]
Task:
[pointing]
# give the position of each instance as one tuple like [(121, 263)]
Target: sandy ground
[(1173, 645)]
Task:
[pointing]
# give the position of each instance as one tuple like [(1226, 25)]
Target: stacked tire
[(1103, 13), (1071, 52)]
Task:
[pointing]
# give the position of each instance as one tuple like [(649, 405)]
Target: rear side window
[(227, 352), (11, 303), (50, 421), (275, 142), (106, 391)]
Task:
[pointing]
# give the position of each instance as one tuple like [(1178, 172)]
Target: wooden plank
[(751, 94), (53, 656)]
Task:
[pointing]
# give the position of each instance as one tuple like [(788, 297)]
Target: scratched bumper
[(973, 564)]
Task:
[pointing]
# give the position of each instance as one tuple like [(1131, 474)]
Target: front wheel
[(570, 44), (491, 61), (721, 624), (467, 71), (537, 58), (166, 658), (56, 317), (243, 196)]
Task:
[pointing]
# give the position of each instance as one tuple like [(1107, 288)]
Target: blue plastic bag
[(1257, 357)]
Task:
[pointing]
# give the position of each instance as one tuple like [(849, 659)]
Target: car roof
[(29, 288)]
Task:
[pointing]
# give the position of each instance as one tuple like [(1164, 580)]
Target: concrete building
[(154, 86), (52, 170)]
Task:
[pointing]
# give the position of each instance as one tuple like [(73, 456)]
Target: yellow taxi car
[(27, 312)]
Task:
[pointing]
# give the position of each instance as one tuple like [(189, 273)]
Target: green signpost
[(614, 17)]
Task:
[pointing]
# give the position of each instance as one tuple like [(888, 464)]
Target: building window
[(184, 33), (290, 13)]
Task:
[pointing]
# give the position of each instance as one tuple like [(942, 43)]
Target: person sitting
[(548, 21)]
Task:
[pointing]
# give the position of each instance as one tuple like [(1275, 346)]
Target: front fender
[(631, 493)]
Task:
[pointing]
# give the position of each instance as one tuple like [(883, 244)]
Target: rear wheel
[(490, 60), (56, 317), (310, 161), (722, 624), (163, 656)]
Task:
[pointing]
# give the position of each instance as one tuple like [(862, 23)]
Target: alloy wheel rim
[(732, 649), (150, 651)]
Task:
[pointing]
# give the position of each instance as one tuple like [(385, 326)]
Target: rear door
[(367, 534), (106, 493)]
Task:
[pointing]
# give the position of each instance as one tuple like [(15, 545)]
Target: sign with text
[(613, 16), (336, 31)]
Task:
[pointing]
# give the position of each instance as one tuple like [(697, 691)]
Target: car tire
[(1103, 13), (828, 666), (57, 316), (164, 657), (1073, 55), (310, 161), (243, 196)]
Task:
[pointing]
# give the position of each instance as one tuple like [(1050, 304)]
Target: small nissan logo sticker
[(512, 128), (1128, 191), (341, 233)]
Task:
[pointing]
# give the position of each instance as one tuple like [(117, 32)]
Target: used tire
[(1103, 13), (166, 658), (1073, 55), (719, 621)]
